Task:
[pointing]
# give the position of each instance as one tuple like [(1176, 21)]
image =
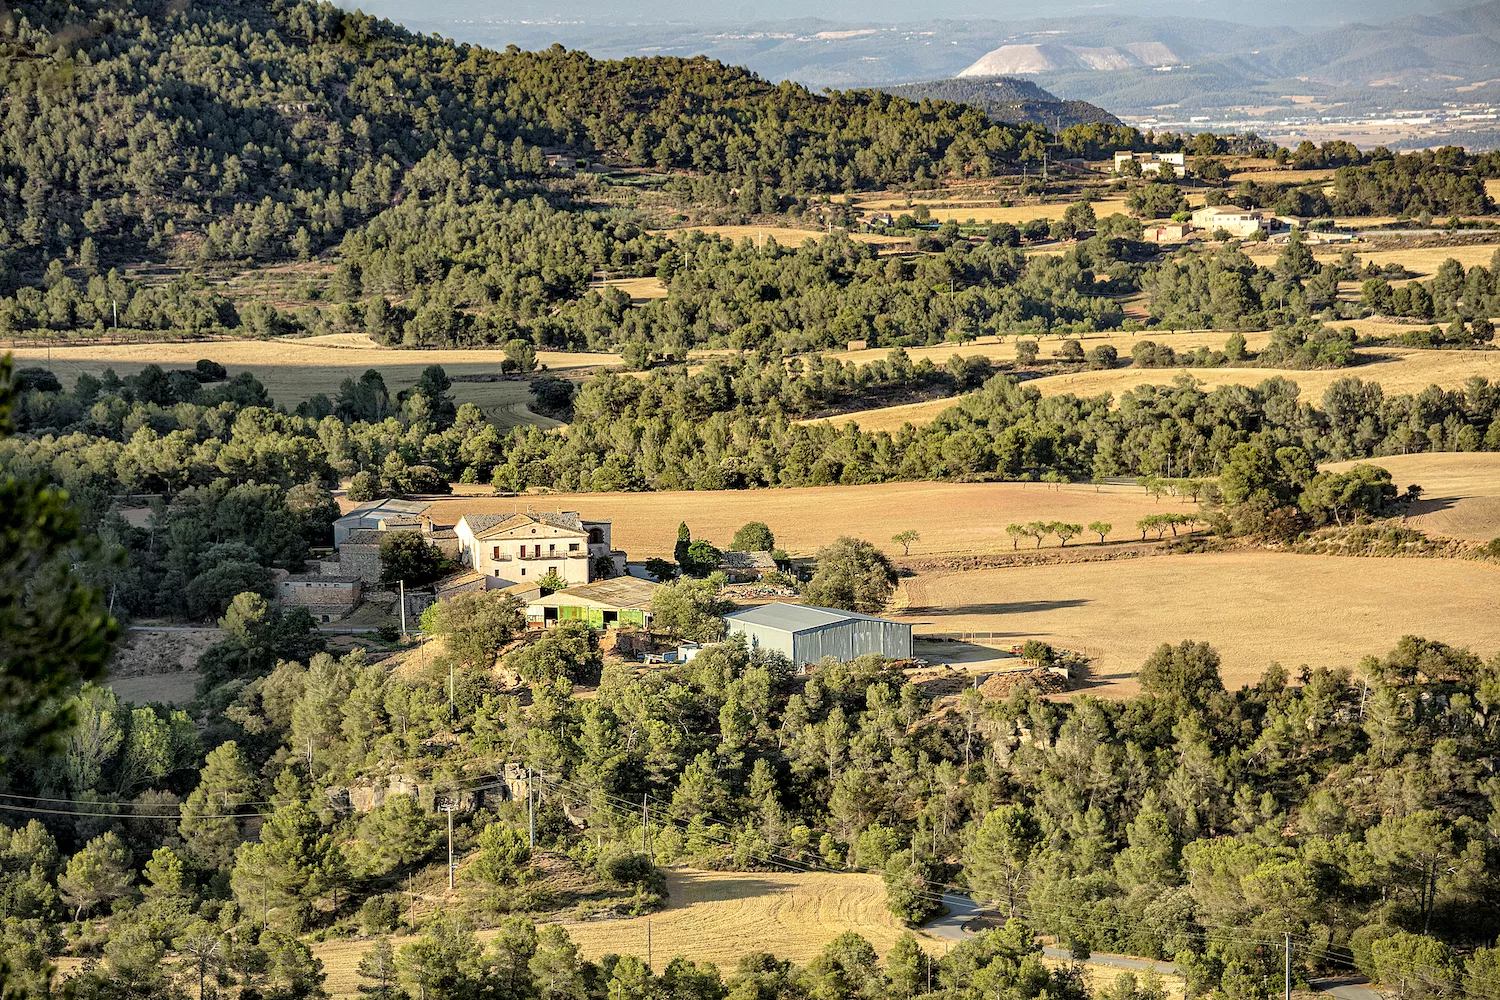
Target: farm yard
[(1255, 607), (953, 518), (296, 370)]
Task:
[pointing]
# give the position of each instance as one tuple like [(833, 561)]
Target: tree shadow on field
[(1431, 505), (695, 886), (1002, 607)]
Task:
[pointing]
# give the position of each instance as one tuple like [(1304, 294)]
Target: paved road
[(962, 909), (1346, 988), (950, 927)]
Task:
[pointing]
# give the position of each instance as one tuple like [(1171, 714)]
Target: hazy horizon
[(713, 13)]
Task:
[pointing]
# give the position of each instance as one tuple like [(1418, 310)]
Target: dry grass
[(1276, 175), (1254, 607), (787, 237), (169, 689), (710, 917), (891, 418), (719, 916), (639, 289), (1460, 491), (296, 370), (953, 518)]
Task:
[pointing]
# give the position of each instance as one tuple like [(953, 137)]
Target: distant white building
[(1238, 222), (1151, 163)]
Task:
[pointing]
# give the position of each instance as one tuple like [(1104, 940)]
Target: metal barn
[(805, 634)]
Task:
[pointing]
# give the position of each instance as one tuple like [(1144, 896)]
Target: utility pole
[(1288, 967), (450, 684), (530, 809), (449, 810), (645, 827), (648, 942), (403, 610)]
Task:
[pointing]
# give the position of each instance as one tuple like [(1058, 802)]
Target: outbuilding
[(806, 634), (623, 600)]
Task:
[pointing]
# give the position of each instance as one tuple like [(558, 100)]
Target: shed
[(806, 634), (624, 600)]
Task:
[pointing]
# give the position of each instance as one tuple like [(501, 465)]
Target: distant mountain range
[(1007, 99), (1129, 64)]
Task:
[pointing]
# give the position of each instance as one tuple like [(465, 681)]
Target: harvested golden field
[(890, 418), (1277, 175), (1255, 607), (991, 347), (1398, 371), (295, 370), (953, 518), (1460, 491), (943, 211), (719, 916), (639, 289), (710, 917), (1421, 261), (787, 237)]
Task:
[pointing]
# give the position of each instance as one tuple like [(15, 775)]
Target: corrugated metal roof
[(799, 617)]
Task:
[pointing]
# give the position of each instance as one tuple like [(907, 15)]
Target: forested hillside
[(259, 130)]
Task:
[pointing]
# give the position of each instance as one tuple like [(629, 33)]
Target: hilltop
[(1007, 99)]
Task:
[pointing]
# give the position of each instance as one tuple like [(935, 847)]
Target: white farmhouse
[(507, 549)]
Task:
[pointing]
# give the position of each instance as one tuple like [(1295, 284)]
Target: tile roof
[(747, 560)]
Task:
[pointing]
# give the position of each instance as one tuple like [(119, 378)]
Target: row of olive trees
[(1159, 523), (1158, 486), (1039, 530)]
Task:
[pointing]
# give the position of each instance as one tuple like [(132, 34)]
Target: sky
[(1297, 13)]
